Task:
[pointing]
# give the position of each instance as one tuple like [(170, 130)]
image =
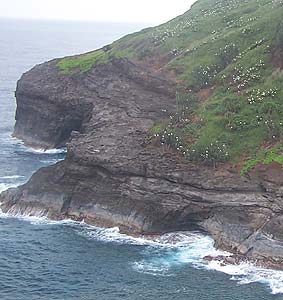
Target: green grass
[(82, 63), (266, 157), (224, 44), (246, 108)]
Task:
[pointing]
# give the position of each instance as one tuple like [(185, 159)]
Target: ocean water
[(46, 260)]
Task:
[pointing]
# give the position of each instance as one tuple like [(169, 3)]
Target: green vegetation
[(224, 46), (83, 62), (264, 157)]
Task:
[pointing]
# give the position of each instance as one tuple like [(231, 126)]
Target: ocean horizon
[(44, 259)]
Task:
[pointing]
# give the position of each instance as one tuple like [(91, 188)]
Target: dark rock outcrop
[(113, 176)]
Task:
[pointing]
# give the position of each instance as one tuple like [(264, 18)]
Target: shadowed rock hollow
[(114, 175)]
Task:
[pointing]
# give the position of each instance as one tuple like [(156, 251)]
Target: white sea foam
[(42, 220), (10, 182), (10, 140), (190, 249), (12, 177), (114, 235), (175, 240), (4, 187), (43, 151), (246, 273), (164, 253), (192, 252), (35, 218), (162, 268)]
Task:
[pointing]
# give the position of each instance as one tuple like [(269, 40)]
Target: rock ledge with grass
[(176, 127)]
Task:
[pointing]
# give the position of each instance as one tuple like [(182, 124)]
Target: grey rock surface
[(112, 175)]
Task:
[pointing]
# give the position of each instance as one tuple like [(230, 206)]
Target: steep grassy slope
[(227, 57)]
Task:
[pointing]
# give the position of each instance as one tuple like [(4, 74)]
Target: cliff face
[(114, 176), (223, 57), (49, 107)]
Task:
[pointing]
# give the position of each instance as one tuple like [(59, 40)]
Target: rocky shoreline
[(236, 259), (113, 175)]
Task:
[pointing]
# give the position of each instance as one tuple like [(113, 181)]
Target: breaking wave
[(4, 187), (11, 177), (43, 151), (192, 251), (163, 255)]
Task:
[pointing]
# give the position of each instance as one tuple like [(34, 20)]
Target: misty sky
[(146, 11)]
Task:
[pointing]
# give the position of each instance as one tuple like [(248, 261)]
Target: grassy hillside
[(228, 57)]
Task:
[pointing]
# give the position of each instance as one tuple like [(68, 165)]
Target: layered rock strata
[(113, 176)]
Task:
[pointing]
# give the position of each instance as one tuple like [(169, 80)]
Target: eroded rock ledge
[(111, 176)]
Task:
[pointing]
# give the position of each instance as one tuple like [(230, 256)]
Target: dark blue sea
[(46, 260)]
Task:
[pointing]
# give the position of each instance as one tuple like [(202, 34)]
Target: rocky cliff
[(117, 174)]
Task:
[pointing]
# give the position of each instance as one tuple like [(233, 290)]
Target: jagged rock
[(112, 176)]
